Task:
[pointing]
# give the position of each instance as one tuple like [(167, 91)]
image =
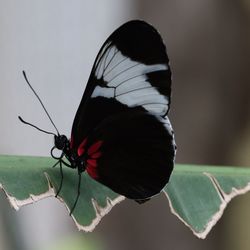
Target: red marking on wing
[(92, 170), (81, 148), (92, 162), (96, 155), (93, 148)]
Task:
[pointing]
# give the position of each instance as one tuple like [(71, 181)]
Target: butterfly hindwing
[(136, 153)]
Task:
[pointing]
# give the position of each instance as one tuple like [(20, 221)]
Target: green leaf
[(197, 195), (26, 179)]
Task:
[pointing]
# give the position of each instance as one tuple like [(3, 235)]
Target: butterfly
[(121, 135)]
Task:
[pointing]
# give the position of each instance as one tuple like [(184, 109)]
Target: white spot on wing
[(105, 92), (128, 81)]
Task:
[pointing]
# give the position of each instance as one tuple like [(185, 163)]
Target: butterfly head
[(61, 142)]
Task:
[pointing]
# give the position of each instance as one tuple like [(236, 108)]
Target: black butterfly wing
[(120, 121), (131, 68), (136, 153)]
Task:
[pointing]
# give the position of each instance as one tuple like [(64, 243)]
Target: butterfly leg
[(61, 171), (66, 164), (78, 191), (61, 182), (55, 164)]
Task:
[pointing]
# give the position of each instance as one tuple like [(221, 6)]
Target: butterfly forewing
[(131, 67)]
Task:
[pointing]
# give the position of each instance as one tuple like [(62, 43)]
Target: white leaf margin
[(100, 211), (225, 199)]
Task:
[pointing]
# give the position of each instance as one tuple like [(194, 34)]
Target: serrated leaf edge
[(100, 211), (225, 199), (17, 204)]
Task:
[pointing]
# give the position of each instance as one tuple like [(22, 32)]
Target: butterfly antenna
[(42, 130), (27, 81)]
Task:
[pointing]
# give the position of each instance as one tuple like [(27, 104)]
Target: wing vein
[(111, 59), (123, 71), (124, 59), (118, 85), (134, 90)]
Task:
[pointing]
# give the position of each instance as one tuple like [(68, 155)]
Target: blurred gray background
[(56, 43)]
